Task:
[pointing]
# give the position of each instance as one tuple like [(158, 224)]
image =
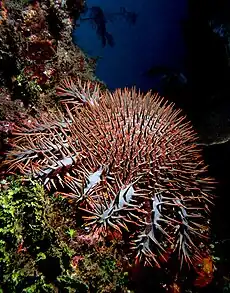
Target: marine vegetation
[(130, 164), (99, 20), (38, 255)]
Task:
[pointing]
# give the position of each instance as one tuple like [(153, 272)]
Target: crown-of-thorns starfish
[(131, 160)]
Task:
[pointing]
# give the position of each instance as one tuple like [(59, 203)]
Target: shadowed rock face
[(208, 106), (207, 99)]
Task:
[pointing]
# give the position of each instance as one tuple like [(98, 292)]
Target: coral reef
[(36, 52), (130, 163)]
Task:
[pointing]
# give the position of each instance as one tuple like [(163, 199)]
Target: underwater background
[(180, 49), (153, 39)]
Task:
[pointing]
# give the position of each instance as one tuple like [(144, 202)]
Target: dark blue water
[(155, 40)]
